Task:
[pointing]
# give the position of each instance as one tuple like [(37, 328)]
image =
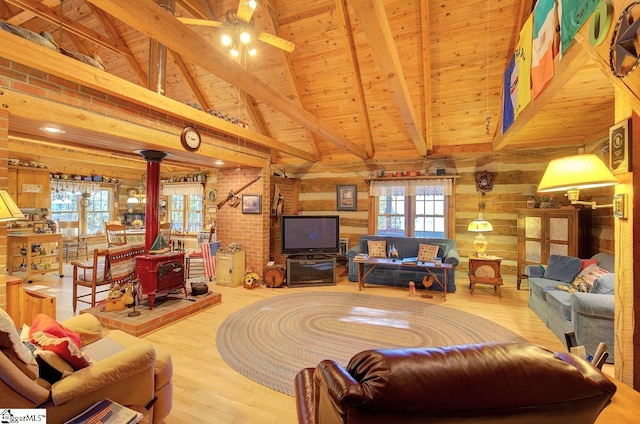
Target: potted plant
[(546, 200)]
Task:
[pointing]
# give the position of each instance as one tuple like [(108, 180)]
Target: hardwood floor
[(207, 390)]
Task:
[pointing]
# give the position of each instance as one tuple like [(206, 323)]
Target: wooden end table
[(485, 271)]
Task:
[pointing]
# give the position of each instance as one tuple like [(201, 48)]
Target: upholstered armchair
[(123, 368), (483, 383)]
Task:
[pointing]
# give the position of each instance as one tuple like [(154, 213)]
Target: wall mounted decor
[(620, 147), (252, 203), (347, 198)]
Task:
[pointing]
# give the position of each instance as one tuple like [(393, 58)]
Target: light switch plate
[(619, 206)]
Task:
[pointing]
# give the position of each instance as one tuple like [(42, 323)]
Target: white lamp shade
[(480, 226), (576, 172)]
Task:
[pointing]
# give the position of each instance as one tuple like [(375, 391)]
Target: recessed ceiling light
[(219, 162), (52, 130)]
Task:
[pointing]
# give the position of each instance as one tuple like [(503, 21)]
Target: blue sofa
[(588, 315), (392, 275)]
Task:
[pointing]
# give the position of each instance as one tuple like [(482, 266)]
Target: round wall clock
[(190, 139)]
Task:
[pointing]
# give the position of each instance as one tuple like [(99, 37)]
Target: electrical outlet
[(619, 206)]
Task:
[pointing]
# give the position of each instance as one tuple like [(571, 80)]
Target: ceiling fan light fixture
[(252, 51), (252, 4), (234, 52), (245, 37), (225, 39)]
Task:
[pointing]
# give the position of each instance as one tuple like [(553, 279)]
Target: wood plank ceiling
[(369, 81)]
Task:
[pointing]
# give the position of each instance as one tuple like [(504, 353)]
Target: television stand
[(309, 271)]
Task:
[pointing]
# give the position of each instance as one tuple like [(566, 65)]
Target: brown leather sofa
[(487, 383)]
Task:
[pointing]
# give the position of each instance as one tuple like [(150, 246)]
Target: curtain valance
[(440, 186), (183, 189)]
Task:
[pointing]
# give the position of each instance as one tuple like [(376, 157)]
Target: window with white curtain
[(185, 206), (412, 208)]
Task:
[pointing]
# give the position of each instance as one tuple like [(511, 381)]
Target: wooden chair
[(165, 229), (106, 268), (116, 234), (72, 240), (194, 261)]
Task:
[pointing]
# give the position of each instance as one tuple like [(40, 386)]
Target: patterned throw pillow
[(427, 253), (590, 274), (377, 249)]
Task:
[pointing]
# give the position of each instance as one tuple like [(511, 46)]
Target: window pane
[(429, 220), (391, 220), (98, 211)]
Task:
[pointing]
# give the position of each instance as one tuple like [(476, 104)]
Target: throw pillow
[(50, 335), (427, 252), (604, 284), (590, 273), (586, 262), (377, 249), (562, 268)]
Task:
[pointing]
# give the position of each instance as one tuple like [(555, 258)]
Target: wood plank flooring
[(206, 389)]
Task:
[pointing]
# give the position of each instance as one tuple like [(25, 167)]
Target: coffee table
[(427, 266)]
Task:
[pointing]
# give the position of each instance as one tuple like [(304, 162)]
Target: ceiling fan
[(238, 31)]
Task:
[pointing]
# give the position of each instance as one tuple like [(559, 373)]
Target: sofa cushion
[(605, 284), (562, 268), (539, 286), (377, 249), (427, 252), (590, 274), (560, 301)]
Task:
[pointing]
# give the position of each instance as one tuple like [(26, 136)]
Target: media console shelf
[(307, 272)]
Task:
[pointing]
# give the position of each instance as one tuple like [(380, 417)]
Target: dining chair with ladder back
[(194, 261), (165, 229), (116, 234), (72, 239)]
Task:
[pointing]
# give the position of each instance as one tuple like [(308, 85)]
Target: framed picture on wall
[(347, 198), (620, 147), (252, 203)]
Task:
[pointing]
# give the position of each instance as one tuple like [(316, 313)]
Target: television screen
[(308, 234)]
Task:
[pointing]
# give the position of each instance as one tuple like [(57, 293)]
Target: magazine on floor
[(107, 412)]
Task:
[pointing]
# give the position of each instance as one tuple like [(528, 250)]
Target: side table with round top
[(485, 270)]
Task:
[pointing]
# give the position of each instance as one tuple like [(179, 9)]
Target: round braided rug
[(271, 340)]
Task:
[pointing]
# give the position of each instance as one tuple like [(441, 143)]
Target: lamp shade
[(9, 211), (576, 172), (480, 225)]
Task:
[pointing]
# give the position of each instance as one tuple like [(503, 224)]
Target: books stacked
[(361, 257), (107, 412)]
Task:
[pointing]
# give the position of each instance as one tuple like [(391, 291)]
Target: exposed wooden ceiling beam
[(191, 82), (374, 23), (25, 15), (52, 16), (287, 68), (30, 54), (148, 18), (197, 8), (342, 15), (119, 135), (426, 73), (106, 22)]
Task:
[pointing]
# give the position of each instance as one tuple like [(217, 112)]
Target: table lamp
[(480, 226), (9, 211)]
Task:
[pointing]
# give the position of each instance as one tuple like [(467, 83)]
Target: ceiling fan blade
[(245, 11), (201, 22), (276, 41)]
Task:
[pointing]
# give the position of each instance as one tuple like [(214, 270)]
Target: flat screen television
[(310, 234)]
